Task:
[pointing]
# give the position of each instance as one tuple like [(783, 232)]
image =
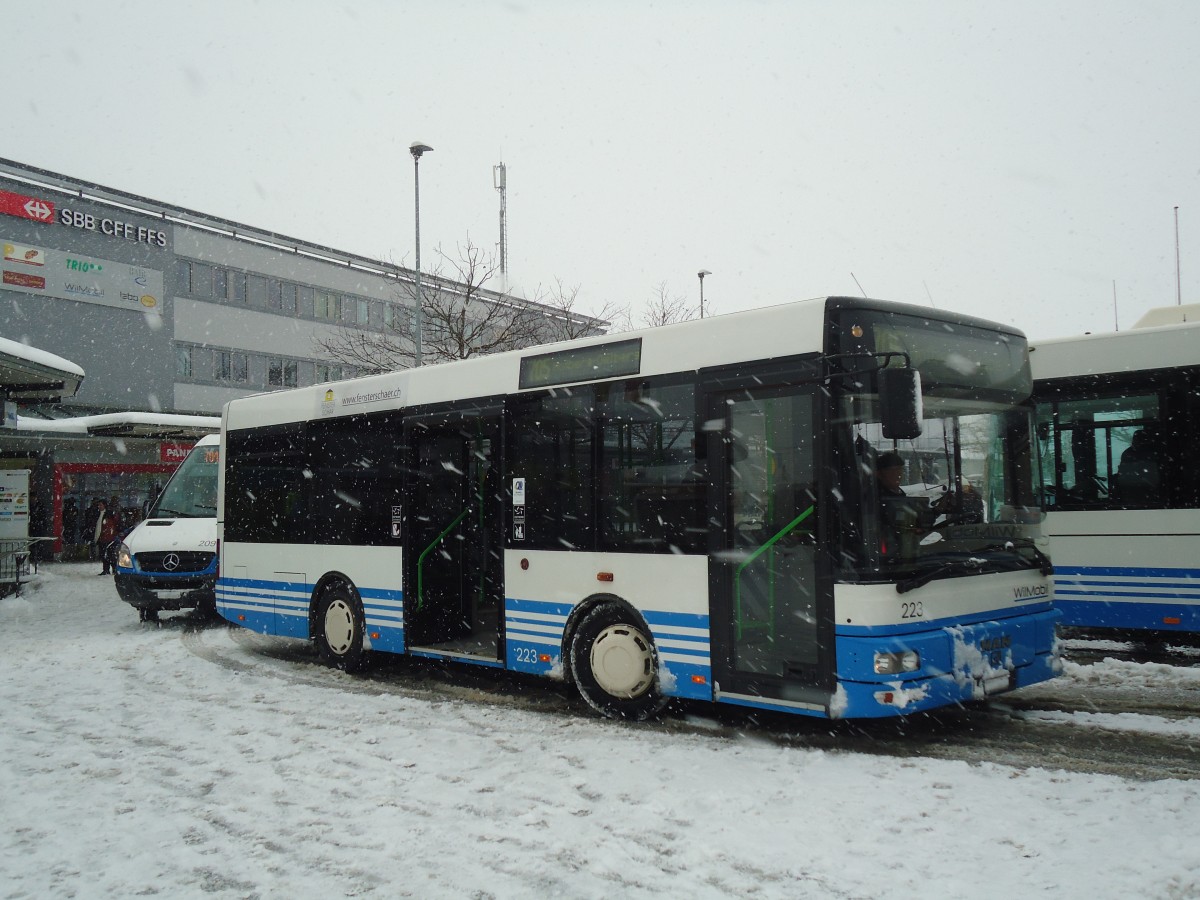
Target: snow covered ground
[(132, 765)]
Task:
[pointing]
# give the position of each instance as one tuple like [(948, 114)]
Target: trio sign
[(55, 273)]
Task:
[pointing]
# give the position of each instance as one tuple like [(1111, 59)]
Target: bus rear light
[(241, 618), (604, 576), (699, 679), (374, 635), (544, 657), (1171, 620)]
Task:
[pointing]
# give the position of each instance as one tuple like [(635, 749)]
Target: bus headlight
[(895, 663), (125, 560)]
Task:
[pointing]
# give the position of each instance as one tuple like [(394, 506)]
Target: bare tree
[(665, 308), (566, 321), (461, 318)]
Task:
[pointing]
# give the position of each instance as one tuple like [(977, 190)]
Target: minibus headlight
[(895, 663), (124, 557)]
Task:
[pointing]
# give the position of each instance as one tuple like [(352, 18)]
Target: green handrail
[(737, 574), (424, 553)]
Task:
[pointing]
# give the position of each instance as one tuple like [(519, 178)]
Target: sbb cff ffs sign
[(174, 453)]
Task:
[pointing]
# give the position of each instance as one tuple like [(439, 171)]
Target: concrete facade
[(167, 310)]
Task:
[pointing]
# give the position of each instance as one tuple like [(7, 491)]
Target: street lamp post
[(416, 149), (702, 273)]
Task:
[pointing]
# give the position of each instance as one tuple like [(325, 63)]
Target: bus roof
[(1137, 350), (785, 330)]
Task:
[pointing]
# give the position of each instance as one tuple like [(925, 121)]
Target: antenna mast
[(499, 179), (1178, 288)]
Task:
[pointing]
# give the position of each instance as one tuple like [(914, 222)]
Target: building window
[(230, 366), (256, 290), (323, 372), (275, 295), (281, 372), (396, 317), (325, 305), (237, 284), (220, 284), (288, 297), (184, 364), (186, 285)]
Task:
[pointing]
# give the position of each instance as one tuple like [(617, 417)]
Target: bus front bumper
[(957, 664)]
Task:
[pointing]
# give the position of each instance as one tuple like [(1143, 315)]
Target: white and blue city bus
[(1117, 427), (689, 511)]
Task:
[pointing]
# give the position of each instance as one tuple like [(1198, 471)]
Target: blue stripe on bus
[(281, 608), (538, 606), (1146, 592), (679, 620), (1128, 571), (1092, 597), (381, 594), (1096, 613), (533, 631)]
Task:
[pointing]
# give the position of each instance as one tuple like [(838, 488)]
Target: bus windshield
[(960, 498), (192, 491)]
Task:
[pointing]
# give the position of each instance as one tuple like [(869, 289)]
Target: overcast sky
[(1010, 160)]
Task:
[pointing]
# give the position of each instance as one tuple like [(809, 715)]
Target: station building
[(171, 313)]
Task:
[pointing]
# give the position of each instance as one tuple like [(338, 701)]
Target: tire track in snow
[(1007, 730)]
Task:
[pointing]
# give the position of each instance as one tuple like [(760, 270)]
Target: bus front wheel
[(615, 666), (340, 628)]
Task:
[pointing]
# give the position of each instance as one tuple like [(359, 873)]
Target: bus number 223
[(911, 610)]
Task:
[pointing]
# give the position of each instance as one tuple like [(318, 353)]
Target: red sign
[(22, 280), (26, 207), (173, 453)]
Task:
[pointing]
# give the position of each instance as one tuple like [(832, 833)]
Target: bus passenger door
[(453, 558), (771, 625)]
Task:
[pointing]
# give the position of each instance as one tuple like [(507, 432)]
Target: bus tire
[(615, 665), (340, 628)]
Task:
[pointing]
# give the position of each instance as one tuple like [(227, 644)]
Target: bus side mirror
[(900, 403)]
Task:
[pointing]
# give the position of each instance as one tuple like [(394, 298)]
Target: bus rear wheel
[(339, 630), (615, 666)]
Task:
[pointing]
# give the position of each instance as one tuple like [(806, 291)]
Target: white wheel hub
[(339, 627), (622, 662)]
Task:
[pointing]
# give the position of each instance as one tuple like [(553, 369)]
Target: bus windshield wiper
[(933, 572), (1042, 560)]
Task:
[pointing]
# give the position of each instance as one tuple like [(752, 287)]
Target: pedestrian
[(90, 517), (106, 536)]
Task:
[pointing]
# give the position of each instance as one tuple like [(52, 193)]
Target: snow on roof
[(130, 424), (27, 373), (41, 357)]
